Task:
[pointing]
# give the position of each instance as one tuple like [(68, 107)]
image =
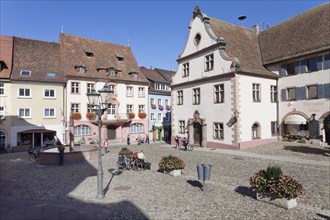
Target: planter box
[(175, 172), (282, 202)]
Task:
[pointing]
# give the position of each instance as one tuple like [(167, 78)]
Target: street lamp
[(98, 102)]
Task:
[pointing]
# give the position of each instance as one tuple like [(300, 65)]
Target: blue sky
[(156, 30)]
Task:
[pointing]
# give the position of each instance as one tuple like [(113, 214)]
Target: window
[(255, 131), (112, 89), (74, 107), (152, 101), (129, 91), (136, 128), (129, 108), (157, 86), (291, 94), (134, 74), (89, 108), (197, 39), (159, 102), (51, 75), (159, 116), (111, 72), (2, 139), (119, 57), (290, 68), (80, 69), (24, 92), (218, 131), (49, 93), (111, 109), (326, 62), (2, 89), (141, 108), (312, 92), (152, 117), (75, 88), (25, 73), (196, 96), (311, 65), (82, 130), (209, 62), (49, 113), (166, 101), (185, 70), (141, 92), (273, 128), (219, 93), (90, 87), (2, 112), (180, 97), (182, 127), (24, 113), (273, 93), (89, 54), (256, 92)]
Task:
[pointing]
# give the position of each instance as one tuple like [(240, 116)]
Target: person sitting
[(141, 156)]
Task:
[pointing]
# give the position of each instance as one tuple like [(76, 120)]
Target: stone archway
[(197, 130)]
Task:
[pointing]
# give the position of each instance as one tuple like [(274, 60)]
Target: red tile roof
[(303, 34)]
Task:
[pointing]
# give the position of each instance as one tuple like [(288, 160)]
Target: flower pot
[(281, 202), (175, 172)]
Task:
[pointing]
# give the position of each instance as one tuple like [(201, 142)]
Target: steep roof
[(303, 34), (166, 74), (6, 55), (39, 57), (153, 75), (241, 43), (104, 55)]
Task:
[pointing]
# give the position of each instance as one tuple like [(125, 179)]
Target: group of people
[(184, 142)]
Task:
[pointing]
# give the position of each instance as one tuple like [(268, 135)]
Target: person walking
[(177, 142), (128, 140), (147, 138), (105, 146)]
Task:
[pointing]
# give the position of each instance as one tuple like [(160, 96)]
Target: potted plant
[(171, 164), (131, 115), (91, 115), (168, 107), (274, 187), (125, 151), (142, 115), (153, 106), (76, 115), (160, 107)]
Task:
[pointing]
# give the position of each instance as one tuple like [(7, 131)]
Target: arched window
[(255, 131), (2, 139), (82, 130), (136, 128)]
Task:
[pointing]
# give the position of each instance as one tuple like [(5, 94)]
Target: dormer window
[(119, 57), (51, 75), (89, 54), (80, 69), (134, 74), (111, 71), (25, 73)]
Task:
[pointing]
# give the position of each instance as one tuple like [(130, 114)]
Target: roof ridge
[(29, 39), (227, 22)]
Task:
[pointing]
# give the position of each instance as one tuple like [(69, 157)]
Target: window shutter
[(301, 93), (283, 94), (326, 89), (320, 93), (283, 70)]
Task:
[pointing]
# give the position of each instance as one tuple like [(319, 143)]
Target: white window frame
[(25, 111), (75, 88), (129, 91), (182, 127), (49, 97), (180, 97), (219, 93), (24, 96), (2, 112), (2, 89), (152, 117), (273, 93), (49, 110), (196, 96), (112, 89), (136, 128), (141, 108), (111, 109), (159, 116), (141, 92), (152, 101), (90, 86), (82, 130), (75, 107), (218, 132), (209, 62), (26, 73), (256, 92), (185, 67), (166, 102), (129, 108)]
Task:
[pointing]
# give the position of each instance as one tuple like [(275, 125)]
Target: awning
[(295, 120)]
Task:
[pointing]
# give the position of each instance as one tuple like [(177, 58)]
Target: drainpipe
[(279, 130)]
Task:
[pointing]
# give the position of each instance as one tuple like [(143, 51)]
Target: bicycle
[(34, 155), (129, 163), (185, 146)]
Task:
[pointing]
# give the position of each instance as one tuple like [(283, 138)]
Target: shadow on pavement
[(245, 191), (195, 183), (114, 172), (309, 150)]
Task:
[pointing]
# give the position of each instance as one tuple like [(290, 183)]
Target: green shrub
[(274, 172), (125, 151)]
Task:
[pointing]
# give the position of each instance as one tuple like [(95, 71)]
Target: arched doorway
[(197, 133), (326, 124), (111, 132)]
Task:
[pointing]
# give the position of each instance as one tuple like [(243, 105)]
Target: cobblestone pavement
[(150, 194)]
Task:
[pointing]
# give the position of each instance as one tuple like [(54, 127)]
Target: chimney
[(255, 28)]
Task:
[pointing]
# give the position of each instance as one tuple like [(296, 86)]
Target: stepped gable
[(303, 34), (104, 56), (39, 57)]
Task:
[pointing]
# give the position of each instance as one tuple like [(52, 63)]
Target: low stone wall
[(81, 153)]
